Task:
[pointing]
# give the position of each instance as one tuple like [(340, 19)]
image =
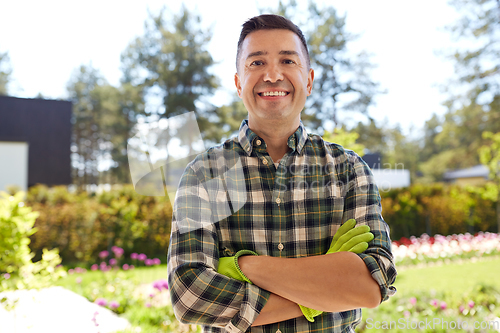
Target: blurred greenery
[(17, 270)]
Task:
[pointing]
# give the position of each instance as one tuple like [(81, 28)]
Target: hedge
[(437, 209), (83, 224)]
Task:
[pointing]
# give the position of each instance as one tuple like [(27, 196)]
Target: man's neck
[(275, 135)]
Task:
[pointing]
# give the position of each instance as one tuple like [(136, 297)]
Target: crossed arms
[(332, 282)]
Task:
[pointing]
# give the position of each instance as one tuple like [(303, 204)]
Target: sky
[(47, 40)]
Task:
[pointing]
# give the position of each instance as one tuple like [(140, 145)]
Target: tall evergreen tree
[(171, 62)]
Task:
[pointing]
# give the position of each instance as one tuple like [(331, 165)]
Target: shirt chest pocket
[(316, 217)]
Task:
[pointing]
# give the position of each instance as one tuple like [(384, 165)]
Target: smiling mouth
[(273, 93)]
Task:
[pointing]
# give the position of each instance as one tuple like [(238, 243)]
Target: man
[(299, 190)]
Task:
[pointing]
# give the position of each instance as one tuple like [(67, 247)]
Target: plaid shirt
[(289, 211)]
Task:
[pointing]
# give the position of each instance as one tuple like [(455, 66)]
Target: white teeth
[(274, 93)]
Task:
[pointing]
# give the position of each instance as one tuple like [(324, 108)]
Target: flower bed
[(424, 249)]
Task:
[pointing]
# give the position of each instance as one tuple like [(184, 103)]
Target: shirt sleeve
[(199, 294), (363, 203)]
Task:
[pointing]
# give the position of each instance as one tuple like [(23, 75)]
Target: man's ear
[(237, 83), (310, 80)]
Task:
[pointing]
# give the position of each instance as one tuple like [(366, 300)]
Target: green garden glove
[(346, 239), (229, 267), (350, 239)]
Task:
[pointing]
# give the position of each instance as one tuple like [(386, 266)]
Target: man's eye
[(256, 63), (288, 61)]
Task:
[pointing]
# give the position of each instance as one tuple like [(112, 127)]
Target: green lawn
[(140, 274), (453, 277), (456, 283)]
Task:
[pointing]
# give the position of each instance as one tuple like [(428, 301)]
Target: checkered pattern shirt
[(289, 211)]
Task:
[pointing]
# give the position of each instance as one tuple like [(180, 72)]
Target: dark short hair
[(269, 22)]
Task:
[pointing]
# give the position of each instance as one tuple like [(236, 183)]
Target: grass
[(453, 277), (141, 274), (454, 283), (448, 282)]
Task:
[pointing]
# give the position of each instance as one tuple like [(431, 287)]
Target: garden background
[(101, 239)]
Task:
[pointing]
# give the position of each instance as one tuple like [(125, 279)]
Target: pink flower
[(114, 304), (406, 314), (101, 302), (142, 257), (461, 308), (6, 276), (112, 261), (70, 271), (78, 280), (94, 267), (125, 267), (443, 305), (148, 262), (103, 254), (157, 285), (80, 270), (413, 300), (131, 267), (471, 304), (134, 256), (118, 251), (160, 284), (156, 261), (148, 305), (434, 302)]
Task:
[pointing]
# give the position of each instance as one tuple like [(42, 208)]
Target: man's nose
[(273, 74)]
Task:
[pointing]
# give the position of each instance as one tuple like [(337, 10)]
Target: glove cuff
[(239, 254), (309, 313)]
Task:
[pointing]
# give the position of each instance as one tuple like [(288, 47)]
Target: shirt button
[(278, 331), (281, 247), (264, 161), (258, 142), (248, 148), (278, 201)]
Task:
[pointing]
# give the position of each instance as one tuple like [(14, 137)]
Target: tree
[(130, 106), (94, 103), (103, 119), (478, 65), (490, 156), (170, 61), (345, 139), (474, 103), (5, 72), (342, 79)]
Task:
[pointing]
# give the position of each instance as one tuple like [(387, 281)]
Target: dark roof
[(373, 160), (46, 126)]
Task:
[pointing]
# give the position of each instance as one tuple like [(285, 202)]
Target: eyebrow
[(260, 53)]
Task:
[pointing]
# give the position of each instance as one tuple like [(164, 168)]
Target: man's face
[(273, 77)]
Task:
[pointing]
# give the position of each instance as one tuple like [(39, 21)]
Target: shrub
[(437, 209), (83, 224), (17, 271)]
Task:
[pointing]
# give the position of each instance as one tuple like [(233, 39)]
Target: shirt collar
[(247, 137)]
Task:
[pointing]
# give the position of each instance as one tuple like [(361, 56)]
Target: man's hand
[(348, 239)]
